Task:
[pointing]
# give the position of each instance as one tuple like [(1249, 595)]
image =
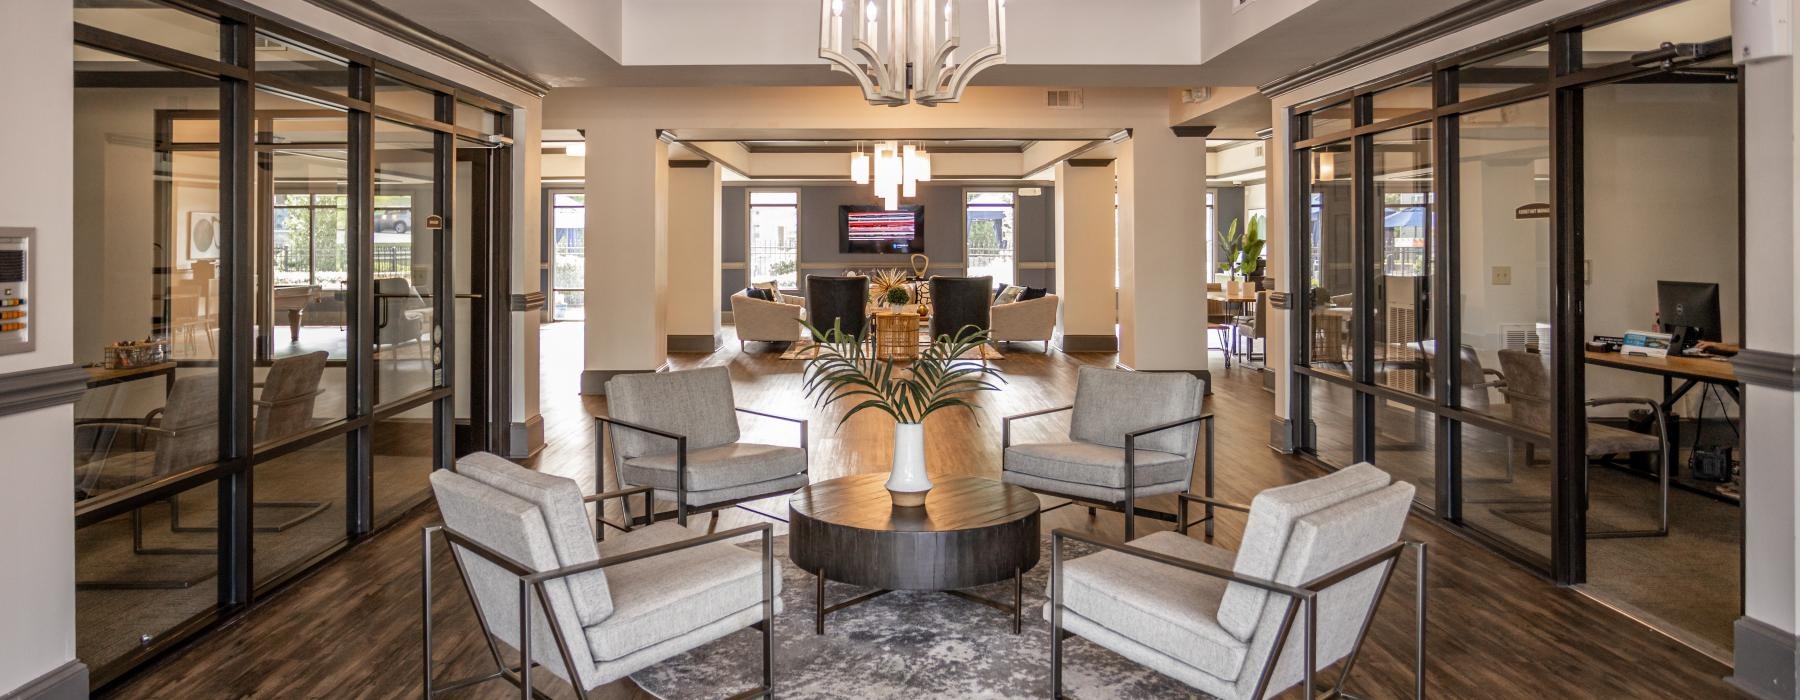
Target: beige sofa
[(767, 321), (1025, 321)]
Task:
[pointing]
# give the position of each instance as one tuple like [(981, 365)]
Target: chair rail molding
[(1778, 370), (32, 389)]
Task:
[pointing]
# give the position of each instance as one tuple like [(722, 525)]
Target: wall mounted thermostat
[(16, 323)]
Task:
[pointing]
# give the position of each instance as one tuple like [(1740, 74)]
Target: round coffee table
[(970, 532)]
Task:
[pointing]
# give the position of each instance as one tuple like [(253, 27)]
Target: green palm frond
[(844, 370)]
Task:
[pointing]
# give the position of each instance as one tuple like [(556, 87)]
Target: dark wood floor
[(350, 630)]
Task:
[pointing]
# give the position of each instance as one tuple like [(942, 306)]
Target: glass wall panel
[(1331, 244), (1692, 21), (1404, 345), (301, 64), (568, 217), (394, 93), (1332, 411), (1503, 171), (990, 229), (402, 464), (404, 199), (142, 574), (154, 22), (303, 222), (469, 116), (299, 507), (1403, 99), (1506, 487), (1330, 119), (1406, 446), (1503, 72)]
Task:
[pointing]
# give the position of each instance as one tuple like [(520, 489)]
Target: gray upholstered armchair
[(677, 432), (767, 321), (1031, 320), (596, 611), (1316, 555), (1131, 434)]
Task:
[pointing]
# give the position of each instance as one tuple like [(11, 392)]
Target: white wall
[(37, 630), (694, 251), (1086, 243)]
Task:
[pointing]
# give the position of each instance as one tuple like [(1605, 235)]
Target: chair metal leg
[(712, 524), (1018, 601), (1209, 477), (1056, 616), (425, 604)]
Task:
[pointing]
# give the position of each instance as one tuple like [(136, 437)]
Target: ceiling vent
[(1062, 99)]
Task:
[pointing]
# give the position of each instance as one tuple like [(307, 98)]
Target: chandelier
[(896, 170), (909, 52)]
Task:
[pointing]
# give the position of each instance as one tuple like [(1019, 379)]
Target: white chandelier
[(908, 53), (897, 170)]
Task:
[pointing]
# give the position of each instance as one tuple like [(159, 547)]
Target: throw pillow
[(774, 290), (1009, 295), (1033, 293), (755, 293), (998, 290)]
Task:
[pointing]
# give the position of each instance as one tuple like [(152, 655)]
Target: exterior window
[(310, 240), (775, 237), (568, 222), (989, 216)]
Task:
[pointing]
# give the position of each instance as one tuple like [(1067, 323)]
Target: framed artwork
[(203, 236)]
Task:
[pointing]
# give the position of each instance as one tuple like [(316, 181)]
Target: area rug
[(907, 644), (803, 350)]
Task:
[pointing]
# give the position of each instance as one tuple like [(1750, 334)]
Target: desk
[(1690, 370), (101, 376)]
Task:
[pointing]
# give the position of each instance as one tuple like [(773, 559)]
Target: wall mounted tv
[(872, 229)]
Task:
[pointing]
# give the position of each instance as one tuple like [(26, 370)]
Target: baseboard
[(694, 343), (1763, 660), (66, 682), (1087, 343), (593, 381), (1281, 435), (525, 440)]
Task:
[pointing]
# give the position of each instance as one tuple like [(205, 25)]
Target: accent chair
[(1032, 320), (1131, 434), (1315, 555), (677, 432), (842, 302), (529, 558), (766, 321), (960, 302)]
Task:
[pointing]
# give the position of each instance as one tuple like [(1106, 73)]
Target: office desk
[(1691, 371)]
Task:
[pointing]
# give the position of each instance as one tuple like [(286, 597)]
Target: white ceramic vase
[(907, 482)]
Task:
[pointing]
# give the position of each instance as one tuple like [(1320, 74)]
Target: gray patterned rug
[(907, 644)]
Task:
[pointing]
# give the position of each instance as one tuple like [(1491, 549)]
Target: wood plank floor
[(351, 629)]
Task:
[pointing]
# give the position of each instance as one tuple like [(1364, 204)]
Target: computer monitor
[(1689, 311)]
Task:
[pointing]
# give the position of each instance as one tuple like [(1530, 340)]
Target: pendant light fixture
[(908, 53)]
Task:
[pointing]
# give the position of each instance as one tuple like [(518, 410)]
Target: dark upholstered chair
[(843, 301), (1528, 396), (960, 302)]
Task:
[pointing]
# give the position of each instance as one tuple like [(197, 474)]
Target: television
[(873, 229)]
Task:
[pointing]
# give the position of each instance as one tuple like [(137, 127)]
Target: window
[(775, 237), (989, 216), (568, 224), (309, 240)]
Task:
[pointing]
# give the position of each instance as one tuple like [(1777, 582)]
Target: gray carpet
[(906, 644)]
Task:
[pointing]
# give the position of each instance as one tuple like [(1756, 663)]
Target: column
[(694, 256), (1162, 252), (1086, 257), (626, 248)]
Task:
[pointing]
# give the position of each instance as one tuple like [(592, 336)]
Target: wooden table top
[(1228, 297), (955, 503), (1703, 369), (101, 376)]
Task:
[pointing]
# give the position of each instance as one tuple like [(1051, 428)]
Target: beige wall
[(1086, 246), (694, 251)]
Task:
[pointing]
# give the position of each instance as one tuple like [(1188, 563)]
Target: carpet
[(803, 350), (907, 644)]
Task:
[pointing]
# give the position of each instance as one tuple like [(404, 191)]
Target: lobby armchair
[(766, 321), (1032, 320), (1131, 434), (960, 302), (1316, 556), (677, 432), (837, 302), (588, 612)]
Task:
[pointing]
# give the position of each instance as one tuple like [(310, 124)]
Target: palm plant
[(845, 370)]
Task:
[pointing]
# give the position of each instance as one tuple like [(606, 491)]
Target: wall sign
[(1536, 210), (434, 222)]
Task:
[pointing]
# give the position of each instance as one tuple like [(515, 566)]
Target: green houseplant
[(1242, 251), (845, 370)]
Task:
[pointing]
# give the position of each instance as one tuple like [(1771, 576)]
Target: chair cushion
[(1266, 534), (1097, 465), (725, 466), (695, 403), (1605, 440), (670, 595), (1159, 606), (1112, 402), (565, 518), (1097, 494)]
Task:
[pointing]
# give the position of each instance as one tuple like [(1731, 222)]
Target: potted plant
[(1242, 253), (937, 380), (897, 296), (883, 283)]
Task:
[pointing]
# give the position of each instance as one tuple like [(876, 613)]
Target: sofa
[(1033, 320), (767, 321)]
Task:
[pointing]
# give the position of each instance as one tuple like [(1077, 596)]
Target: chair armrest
[(1060, 534), (1214, 502), (680, 459), (765, 529), (1006, 424), (802, 422), (1611, 400), (1389, 553), (1131, 436), (624, 495), (641, 428)]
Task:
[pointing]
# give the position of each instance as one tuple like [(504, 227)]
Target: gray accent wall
[(1035, 228)]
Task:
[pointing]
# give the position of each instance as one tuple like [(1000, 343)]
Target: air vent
[(1062, 99), (12, 266), (1524, 336)]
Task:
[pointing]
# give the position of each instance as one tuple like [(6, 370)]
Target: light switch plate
[(1502, 275)]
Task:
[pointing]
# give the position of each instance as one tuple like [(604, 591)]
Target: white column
[(1086, 262), (694, 258), (1162, 252), (527, 429), (626, 248)]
